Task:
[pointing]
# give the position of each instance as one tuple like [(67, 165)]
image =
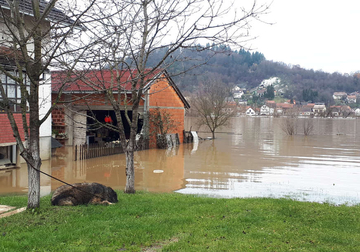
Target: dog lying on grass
[(88, 193)]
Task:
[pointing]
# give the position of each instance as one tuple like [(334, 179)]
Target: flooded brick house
[(83, 105)]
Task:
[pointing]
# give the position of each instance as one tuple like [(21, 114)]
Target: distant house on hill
[(261, 92), (283, 108), (310, 105), (319, 108), (265, 110), (357, 112), (242, 102), (270, 104), (351, 99), (230, 107), (237, 92), (335, 111), (356, 93), (339, 95), (346, 111), (250, 112), (305, 111)]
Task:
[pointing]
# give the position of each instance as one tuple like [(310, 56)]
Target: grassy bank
[(175, 222)]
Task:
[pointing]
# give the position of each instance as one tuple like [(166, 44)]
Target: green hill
[(248, 69)]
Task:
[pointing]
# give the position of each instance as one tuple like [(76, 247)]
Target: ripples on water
[(251, 157)]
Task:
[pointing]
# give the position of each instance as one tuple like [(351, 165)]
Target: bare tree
[(34, 33), (126, 34), (213, 105), (163, 124), (308, 126), (289, 125)]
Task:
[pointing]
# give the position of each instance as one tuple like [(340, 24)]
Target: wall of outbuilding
[(160, 95), (163, 96)]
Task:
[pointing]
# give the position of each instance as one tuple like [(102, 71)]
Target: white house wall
[(45, 88), (79, 128), (45, 128), (6, 38), (44, 106)]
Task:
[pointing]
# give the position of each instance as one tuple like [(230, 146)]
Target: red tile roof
[(97, 80), (284, 105), (310, 105)]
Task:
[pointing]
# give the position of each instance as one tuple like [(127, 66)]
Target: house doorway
[(8, 156)]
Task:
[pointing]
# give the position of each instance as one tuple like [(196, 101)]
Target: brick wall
[(162, 95), (58, 117), (6, 132), (178, 116), (58, 122)]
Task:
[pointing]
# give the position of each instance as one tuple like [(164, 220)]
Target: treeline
[(248, 69)]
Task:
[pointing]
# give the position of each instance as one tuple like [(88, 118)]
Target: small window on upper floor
[(13, 91)]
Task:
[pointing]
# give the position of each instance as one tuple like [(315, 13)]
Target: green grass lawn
[(176, 222)]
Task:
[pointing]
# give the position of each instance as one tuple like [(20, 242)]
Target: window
[(7, 155), (13, 91)]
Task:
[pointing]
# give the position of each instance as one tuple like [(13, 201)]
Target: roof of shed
[(96, 81)]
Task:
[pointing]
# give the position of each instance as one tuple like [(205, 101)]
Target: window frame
[(10, 84)]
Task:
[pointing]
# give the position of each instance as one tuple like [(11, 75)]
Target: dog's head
[(112, 196)]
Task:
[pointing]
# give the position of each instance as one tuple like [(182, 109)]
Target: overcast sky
[(315, 34)]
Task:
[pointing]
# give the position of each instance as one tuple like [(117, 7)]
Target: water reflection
[(16, 180), (260, 161), (110, 170), (251, 157)]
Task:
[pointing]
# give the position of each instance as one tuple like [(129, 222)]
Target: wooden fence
[(92, 151)]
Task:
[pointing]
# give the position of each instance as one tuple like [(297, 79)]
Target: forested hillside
[(247, 69)]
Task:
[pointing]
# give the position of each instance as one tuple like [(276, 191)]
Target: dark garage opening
[(97, 133)]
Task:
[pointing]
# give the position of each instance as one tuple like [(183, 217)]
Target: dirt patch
[(159, 245)]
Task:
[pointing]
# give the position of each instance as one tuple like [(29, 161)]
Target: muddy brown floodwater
[(251, 157)]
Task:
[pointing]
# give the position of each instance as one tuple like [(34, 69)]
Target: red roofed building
[(285, 105), (270, 103), (283, 108), (88, 99)]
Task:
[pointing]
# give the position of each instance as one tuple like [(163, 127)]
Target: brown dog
[(83, 193)]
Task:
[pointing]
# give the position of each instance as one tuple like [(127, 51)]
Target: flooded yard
[(251, 157)]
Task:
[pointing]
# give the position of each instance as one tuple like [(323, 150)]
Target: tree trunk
[(213, 134), (34, 184), (130, 172), (33, 160)]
